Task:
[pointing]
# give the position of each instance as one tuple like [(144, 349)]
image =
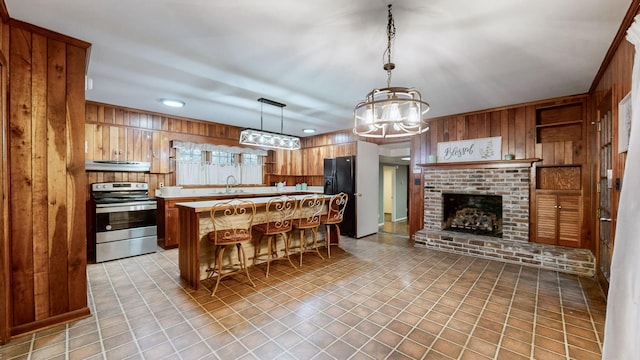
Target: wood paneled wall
[(46, 177), (5, 259), (307, 165), (118, 133), (516, 124), (611, 85)]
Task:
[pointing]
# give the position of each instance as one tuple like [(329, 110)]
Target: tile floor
[(379, 298), (399, 227)]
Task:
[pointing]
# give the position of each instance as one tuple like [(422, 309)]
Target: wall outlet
[(160, 184)]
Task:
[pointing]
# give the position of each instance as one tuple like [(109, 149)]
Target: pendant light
[(269, 139), (391, 111)]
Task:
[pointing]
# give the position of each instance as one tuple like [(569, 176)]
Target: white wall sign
[(470, 150)]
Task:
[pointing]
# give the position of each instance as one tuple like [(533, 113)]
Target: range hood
[(117, 166)]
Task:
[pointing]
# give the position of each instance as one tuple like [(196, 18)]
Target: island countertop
[(260, 201), (178, 193)]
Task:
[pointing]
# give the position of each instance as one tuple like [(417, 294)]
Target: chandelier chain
[(391, 34)]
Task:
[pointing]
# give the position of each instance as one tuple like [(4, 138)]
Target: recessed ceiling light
[(173, 103), (308, 131)]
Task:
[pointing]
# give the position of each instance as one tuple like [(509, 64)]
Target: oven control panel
[(119, 186)]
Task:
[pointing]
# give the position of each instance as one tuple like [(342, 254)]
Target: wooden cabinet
[(160, 152), (557, 198), (559, 219), (113, 142), (558, 205), (168, 221)]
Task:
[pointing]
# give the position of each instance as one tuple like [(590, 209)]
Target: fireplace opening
[(470, 213)]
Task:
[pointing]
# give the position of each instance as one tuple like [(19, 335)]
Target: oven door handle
[(112, 209)]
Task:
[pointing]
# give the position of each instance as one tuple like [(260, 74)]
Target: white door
[(367, 178)]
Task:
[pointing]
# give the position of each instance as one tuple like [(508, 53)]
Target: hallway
[(400, 228)]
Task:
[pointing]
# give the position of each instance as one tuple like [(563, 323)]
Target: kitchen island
[(195, 254), (168, 218)]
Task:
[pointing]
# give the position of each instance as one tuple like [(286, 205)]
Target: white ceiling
[(322, 57)]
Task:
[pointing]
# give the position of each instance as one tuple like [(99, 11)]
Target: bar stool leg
[(244, 263), (303, 243), (285, 238), (327, 240), (219, 253), (314, 231)]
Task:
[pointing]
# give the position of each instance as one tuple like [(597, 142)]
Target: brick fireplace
[(510, 181)]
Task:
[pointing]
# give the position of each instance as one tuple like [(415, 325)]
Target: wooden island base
[(195, 254)]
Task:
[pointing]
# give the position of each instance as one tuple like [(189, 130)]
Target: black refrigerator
[(340, 176)]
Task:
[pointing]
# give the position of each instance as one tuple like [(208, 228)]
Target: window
[(251, 159), (206, 164)]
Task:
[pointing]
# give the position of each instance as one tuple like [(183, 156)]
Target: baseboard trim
[(49, 322)]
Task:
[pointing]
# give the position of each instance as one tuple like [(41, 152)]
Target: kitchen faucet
[(233, 182)]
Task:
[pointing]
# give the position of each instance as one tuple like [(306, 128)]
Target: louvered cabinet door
[(569, 220), (546, 219), (558, 219)]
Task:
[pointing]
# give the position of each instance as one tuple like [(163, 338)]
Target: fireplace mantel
[(517, 163)]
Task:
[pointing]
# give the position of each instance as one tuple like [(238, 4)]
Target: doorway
[(394, 192), (394, 161)]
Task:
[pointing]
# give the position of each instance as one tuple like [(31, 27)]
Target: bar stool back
[(307, 217), (279, 221), (232, 221), (334, 216)]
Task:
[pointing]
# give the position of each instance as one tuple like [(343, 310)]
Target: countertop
[(201, 206), (237, 192)]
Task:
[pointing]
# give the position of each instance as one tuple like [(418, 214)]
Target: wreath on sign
[(487, 152)]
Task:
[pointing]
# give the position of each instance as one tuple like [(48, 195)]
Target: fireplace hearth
[(472, 213)]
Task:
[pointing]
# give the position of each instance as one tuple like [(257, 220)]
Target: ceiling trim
[(49, 34), (634, 9)]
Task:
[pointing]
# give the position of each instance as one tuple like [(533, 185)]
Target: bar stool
[(279, 220), (334, 216), (232, 221), (308, 218)]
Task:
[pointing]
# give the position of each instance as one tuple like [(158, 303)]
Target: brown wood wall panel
[(5, 276), (76, 184), (41, 244), (55, 168), (48, 266), (21, 199)]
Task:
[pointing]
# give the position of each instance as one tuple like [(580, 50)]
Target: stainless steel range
[(124, 221)]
